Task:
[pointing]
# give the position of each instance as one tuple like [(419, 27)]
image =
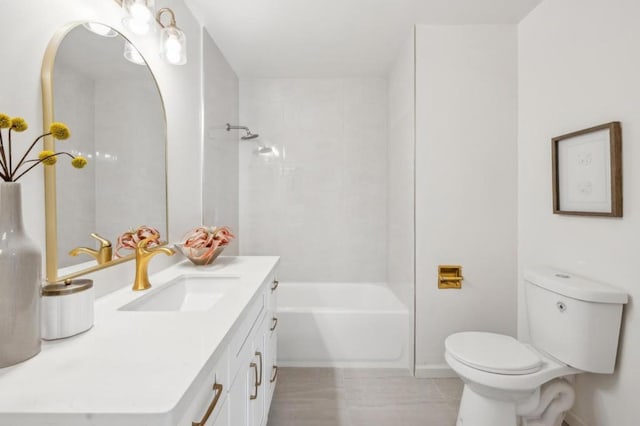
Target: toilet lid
[(494, 353)]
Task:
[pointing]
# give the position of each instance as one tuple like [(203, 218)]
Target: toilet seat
[(493, 353), (550, 369)]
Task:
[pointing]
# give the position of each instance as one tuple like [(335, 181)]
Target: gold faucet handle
[(103, 241), (103, 255), (144, 243)]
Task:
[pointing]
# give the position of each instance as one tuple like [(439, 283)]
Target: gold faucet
[(102, 255), (143, 256)]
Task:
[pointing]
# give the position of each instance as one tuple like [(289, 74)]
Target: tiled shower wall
[(78, 213), (92, 200), (220, 149), (321, 204), (401, 181)]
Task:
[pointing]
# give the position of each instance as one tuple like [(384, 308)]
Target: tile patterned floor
[(349, 397)]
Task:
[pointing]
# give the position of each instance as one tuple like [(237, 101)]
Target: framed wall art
[(587, 171)]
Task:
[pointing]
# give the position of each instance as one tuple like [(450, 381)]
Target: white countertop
[(129, 362)]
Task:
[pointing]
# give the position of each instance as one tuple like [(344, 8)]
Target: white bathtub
[(341, 325)]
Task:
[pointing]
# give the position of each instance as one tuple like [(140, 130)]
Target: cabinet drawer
[(272, 293), (210, 397), (272, 365), (223, 416)]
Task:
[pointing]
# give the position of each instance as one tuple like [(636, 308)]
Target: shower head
[(249, 136), (246, 137), (264, 150)]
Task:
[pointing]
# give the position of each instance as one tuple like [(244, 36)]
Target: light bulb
[(140, 12), (173, 45), (172, 49), (139, 15), (131, 54), (100, 29), (138, 27)]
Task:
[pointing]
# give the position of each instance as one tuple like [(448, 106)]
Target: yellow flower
[(59, 131), (18, 124), (48, 157), (5, 121), (79, 162)]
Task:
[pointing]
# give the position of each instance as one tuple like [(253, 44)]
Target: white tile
[(328, 194)]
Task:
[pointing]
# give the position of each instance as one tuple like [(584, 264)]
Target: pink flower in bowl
[(202, 245)]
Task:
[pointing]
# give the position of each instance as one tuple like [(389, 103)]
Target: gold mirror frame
[(51, 212)]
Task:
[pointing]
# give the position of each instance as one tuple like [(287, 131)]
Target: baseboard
[(434, 371), (344, 364), (426, 371), (572, 420)]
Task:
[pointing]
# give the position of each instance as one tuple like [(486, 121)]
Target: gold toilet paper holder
[(450, 276)]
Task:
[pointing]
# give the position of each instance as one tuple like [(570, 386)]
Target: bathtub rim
[(393, 305)]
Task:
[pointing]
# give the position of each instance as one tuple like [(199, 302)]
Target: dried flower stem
[(10, 154), (13, 172), (4, 158), (40, 161)]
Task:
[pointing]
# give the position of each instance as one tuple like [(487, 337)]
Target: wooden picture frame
[(587, 171)]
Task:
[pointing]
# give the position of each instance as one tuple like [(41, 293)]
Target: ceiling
[(333, 38)]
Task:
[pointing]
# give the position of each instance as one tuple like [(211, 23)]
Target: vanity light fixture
[(173, 43), (131, 54), (139, 15), (101, 30)]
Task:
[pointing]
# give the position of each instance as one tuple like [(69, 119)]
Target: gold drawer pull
[(255, 367), (275, 285), (275, 323), (275, 374), (217, 388), (259, 378)]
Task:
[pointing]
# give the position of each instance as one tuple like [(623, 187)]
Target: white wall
[(220, 150), (30, 25), (579, 66), (466, 115), (401, 182), (400, 174), (322, 204)]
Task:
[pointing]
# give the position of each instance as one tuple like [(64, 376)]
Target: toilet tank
[(574, 319)]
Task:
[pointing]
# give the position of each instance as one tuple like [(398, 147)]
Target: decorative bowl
[(199, 256)]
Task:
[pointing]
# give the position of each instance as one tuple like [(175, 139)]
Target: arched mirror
[(113, 107)]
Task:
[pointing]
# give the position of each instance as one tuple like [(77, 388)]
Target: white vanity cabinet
[(256, 379), (251, 388), (239, 388), (271, 342), (208, 403), (208, 367)]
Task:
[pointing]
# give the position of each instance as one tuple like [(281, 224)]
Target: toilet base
[(478, 410), (545, 406)]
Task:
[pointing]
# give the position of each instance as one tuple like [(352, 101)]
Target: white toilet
[(574, 325)]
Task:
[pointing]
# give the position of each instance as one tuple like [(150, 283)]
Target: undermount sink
[(185, 293)]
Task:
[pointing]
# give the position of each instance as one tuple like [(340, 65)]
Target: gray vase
[(20, 286)]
